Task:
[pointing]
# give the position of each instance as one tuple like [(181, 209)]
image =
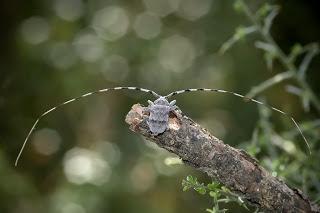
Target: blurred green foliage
[(219, 194), (83, 158)]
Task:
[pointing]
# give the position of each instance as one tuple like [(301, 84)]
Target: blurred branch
[(307, 60), (269, 83), (269, 19), (306, 126), (285, 60), (232, 167), (239, 34)]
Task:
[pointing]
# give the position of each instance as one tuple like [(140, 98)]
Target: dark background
[(89, 161)]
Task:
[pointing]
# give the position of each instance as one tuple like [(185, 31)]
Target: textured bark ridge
[(232, 167)]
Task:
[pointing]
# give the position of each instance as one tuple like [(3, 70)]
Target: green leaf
[(263, 10), (185, 188), (213, 194), (296, 49), (267, 47), (306, 102), (269, 19), (186, 185), (225, 189), (269, 58), (240, 33), (238, 6), (210, 210), (191, 179), (201, 190), (213, 186)]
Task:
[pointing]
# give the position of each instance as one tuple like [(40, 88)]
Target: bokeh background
[(83, 158)]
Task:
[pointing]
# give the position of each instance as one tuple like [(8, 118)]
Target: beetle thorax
[(161, 101)]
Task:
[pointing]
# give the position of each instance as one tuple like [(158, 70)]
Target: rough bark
[(232, 167)]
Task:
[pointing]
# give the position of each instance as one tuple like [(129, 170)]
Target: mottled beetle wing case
[(158, 118)]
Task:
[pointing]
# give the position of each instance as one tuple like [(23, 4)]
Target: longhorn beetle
[(159, 110)]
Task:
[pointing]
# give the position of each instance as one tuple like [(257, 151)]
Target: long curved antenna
[(73, 100), (246, 99)]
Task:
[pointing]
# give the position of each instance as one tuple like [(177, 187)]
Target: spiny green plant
[(218, 193)]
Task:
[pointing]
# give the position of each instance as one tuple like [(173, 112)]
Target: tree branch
[(232, 167)]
